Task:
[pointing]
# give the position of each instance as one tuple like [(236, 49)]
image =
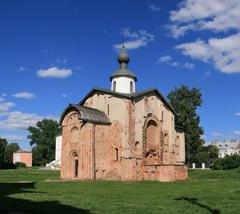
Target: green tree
[(10, 149), (42, 137), (206, 154), (3, 144), (185, 102)]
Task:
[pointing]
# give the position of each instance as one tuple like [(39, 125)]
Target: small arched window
[(114, 85), (131, 86), (116, 154)]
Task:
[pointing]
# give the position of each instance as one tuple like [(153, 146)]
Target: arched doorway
[(75, 166)]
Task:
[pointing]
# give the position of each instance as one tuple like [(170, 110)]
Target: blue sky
[(53, 52)]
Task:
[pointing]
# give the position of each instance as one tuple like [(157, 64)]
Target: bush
[(228, 162), (20, 165), (7, 166)]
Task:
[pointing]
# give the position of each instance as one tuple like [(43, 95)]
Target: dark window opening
[(131, 86), (114, 85), (75, 168), (116, 154)]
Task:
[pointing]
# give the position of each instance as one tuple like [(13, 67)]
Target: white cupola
[(123, 80)]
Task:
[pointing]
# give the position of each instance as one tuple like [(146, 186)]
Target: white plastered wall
[(123, 84)]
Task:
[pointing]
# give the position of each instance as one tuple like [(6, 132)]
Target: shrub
[(20, 165), (7, 166), (228, 162)]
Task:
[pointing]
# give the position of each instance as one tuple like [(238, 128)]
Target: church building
[(122, 134)]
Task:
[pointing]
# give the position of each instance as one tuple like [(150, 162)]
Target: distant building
[(227, 147), (56, 164), (23, 157)]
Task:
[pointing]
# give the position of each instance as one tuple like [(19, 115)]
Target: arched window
[(74, 135), (152, 133), (114, 85), (116, 154), (131, 86)]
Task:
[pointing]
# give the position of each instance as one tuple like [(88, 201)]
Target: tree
[(42, 137), (10, 149), (3, 144), (207, 154), (185, 102)]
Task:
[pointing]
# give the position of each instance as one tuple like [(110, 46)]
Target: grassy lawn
[(41, 191)]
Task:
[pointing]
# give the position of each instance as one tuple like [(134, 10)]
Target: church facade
[(121, 134)]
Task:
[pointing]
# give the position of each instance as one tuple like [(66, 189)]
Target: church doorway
[(75, 166)]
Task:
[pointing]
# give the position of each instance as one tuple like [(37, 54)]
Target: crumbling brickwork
[(139, 142)]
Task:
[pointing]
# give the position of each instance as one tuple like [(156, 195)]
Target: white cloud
[(224, 53), (178, 31), (189, 65), (168, 60), (154, 7), (214, 15), (237, 114), (135, 40), (4, 107), (25, 95), (54, 72), (165, 58), (14, 138), (17, 120)]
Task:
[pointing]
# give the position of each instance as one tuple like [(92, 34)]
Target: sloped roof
[(87, 114), (23, 151), (131, 96), (123, 73)]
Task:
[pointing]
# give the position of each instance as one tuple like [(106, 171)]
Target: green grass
[(41, 191)]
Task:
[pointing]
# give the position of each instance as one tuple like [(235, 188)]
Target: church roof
[(131, 96), (123, 60), (87, 114), (123, 73)]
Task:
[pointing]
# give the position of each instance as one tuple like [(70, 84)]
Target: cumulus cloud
[(14, 138), (168, 60), (223, 53), (17, 120), (4, 107), (25, 95), (54, 72), (214, 15), (177, 31), (189, 65), (135, 40)]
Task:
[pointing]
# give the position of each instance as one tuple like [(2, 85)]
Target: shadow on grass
[(11, 205), (195, 202)]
